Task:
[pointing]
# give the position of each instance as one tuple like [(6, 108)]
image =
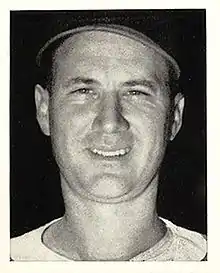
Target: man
[(110, 107)]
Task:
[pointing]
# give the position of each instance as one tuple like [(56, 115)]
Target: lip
[(119, 157)]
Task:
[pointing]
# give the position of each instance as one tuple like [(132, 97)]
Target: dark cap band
[(117, 29)]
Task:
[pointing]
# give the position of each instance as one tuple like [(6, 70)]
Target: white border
[(213, 129)]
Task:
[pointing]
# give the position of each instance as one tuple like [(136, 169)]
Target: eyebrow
[(130, 83), (142, 82), (80, 80)]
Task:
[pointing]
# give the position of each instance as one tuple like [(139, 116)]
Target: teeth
[(111, 153)]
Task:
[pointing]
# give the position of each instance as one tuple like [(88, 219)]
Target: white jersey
[(178, 244)]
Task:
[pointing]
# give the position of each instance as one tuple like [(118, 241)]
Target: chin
[(110, 189), (107, 188), (106, 199)]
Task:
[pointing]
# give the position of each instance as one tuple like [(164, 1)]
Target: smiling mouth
[(111, 154)]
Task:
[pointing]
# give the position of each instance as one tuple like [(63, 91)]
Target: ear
[(179, 102), (42, 108)]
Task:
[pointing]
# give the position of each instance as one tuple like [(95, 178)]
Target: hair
[(45, 72), (45, 68), (173, 82)]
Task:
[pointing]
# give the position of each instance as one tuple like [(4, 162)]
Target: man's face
[(109, 113)]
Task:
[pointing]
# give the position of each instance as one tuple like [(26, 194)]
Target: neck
[(97, 231)]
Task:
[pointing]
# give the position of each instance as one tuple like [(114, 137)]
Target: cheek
[(149, 130), (69, 127), (70, 120), (150, 122), (153, 136), (150, 146)]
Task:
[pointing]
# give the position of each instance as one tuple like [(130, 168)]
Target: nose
[(109, 118)]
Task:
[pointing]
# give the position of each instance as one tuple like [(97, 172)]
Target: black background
[(33, 173)]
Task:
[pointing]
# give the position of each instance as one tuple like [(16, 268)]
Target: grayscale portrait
[(108, 135)]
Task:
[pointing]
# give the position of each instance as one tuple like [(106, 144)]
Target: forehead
[(104, 50)]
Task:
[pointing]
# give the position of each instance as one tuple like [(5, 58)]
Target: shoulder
[(187, 245), (29, 246)]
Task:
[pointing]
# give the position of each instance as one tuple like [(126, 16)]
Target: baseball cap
[(69, 25), (117, 29)]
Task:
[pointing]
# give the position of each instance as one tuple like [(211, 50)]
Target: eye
[(83, 94), (138, 93), (82, 91)]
